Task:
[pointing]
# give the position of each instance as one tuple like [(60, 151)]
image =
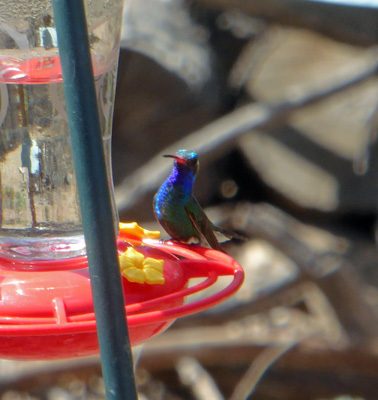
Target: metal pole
[(95, 202)]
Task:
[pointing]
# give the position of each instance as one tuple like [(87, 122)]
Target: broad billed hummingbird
[(177, 209)]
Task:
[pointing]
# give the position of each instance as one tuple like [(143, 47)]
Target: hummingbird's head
[(186, 159)]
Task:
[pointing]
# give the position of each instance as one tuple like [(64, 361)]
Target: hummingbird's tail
[(228, 235)]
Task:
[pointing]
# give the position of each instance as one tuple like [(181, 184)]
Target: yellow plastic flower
[(132, 228), (136, 268)]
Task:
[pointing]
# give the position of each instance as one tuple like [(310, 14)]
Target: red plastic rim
[(46, 308), (196, 262)]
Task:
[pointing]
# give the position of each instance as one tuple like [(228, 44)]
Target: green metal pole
[(95, 201)]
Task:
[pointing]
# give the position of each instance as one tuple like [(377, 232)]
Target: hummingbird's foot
[(165, 241), (193, 240)]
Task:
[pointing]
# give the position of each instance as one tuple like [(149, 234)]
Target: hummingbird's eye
[(193, 161)]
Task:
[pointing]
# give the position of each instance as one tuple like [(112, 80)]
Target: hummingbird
[(178, 211)]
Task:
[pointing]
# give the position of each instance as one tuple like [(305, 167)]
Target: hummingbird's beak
[(176, 158)]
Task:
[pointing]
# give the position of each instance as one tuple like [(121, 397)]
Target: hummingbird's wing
[(202, 224)]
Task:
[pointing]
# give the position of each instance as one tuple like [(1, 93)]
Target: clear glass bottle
[(39, 206)]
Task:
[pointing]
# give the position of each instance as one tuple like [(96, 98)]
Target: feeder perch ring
[(46, 309)]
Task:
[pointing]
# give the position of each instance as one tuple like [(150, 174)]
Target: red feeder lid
[(46, 309)]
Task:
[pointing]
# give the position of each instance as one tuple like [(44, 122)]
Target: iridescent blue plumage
[(176, 208)]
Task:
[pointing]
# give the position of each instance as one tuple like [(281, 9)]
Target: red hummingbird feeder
[(46, 304), (46, 309)]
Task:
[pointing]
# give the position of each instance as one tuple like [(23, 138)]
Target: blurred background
[(279, 98)]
